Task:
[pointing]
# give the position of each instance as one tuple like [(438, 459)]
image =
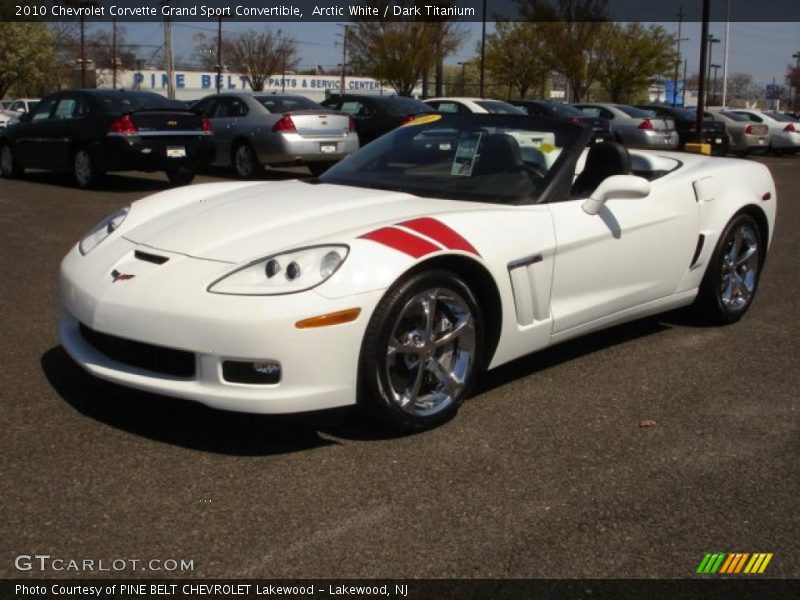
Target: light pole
[(678, 58), (219, 55), (796, 81), (701, 101), (483, 46), (463, 78), (711, 41), (344, 60), (714, 85)]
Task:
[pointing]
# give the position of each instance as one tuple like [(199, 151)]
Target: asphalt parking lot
[(545, 473)]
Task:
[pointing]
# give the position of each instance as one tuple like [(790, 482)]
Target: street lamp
[(82, 4), (714, 85), (796, 81), (219, 66), (463, 78), (711, 40)]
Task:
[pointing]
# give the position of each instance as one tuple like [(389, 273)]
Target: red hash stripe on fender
[(436, 230), (402, 241)]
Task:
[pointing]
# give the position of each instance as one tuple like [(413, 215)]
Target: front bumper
[(170, 308)]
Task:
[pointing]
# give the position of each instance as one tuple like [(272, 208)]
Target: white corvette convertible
[(448, 246)]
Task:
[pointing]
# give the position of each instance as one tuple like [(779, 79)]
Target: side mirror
[(19, 110), (616, 187)]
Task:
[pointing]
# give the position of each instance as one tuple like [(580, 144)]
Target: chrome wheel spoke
[(430, 352), (746, 256), (463, 327)]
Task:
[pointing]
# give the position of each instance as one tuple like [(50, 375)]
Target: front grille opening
[(167, 361), (151, 258)]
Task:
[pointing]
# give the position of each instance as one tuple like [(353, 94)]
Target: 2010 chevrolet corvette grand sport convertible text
[(448, 246)]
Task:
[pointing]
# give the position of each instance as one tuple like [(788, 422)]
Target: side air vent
[(151, 258), (700, 241)]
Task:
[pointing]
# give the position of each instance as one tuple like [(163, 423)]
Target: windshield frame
[(555, 184)]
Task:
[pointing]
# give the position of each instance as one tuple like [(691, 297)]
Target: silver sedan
[(256, 129), (634, 127), (746, 137)]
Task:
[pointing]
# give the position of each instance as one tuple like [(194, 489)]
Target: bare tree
[(259, 55)]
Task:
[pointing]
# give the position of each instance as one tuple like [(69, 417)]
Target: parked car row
[(91, 132)]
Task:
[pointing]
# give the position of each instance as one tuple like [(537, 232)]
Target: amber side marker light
[(336, 318)]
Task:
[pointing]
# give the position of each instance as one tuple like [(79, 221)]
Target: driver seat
[(499, 153), (602, 161)]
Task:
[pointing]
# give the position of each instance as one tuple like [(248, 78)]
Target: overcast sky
[(761, 49)]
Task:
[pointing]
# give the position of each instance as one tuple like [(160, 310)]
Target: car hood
[(254, 221)]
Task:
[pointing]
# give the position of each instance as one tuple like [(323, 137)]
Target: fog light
[(263, 372)]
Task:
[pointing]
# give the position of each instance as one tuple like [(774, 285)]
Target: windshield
[(632, 111), (566, 110), (283, 104), (118, 102), (733, 116), (400, 105), (780, 117), (503, 159), (496, 107)]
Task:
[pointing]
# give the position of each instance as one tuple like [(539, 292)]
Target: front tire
[(731, 279), (9, 166), (84, 170), (181, 176), (421, 352), (244, 161)]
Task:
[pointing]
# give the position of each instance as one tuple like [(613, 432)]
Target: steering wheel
[(536, 171)]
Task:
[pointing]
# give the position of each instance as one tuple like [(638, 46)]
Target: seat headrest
[(498, 152)]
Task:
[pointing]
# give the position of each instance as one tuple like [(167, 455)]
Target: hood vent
[(151, 258)]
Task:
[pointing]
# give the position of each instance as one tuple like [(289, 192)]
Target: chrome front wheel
[(421, 351)]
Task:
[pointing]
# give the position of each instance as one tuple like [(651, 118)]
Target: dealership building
[(191, 85)]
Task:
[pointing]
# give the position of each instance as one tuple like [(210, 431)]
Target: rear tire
[(421, 352), (9, 166), (244, 161), (84, 169), (731, 279), (181, 176)]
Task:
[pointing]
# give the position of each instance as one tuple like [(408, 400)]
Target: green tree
[(632, 56), (573, 31), (504, 49), (27, 58), (401, 52)]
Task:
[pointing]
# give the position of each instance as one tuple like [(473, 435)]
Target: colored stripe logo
[(419, 237), (733, 563)]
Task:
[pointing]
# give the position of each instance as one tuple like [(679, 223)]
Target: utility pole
[(701, 101), (219, 55), (683, 92), (796, 82), (344, 60), (463, 78), (168, 53), (711, 41), (714, 85), (677, 59), (483, 45), (114, 53), (725, 61)]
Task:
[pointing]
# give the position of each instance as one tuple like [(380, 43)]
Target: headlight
[(285, 273), (102, 230)]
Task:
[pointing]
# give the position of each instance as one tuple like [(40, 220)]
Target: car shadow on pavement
[(110, 183), (571, 350), (179, 422)]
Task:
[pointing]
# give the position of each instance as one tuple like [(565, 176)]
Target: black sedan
[(714, 132), (565, 112), (90, 132), (376, 115)]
